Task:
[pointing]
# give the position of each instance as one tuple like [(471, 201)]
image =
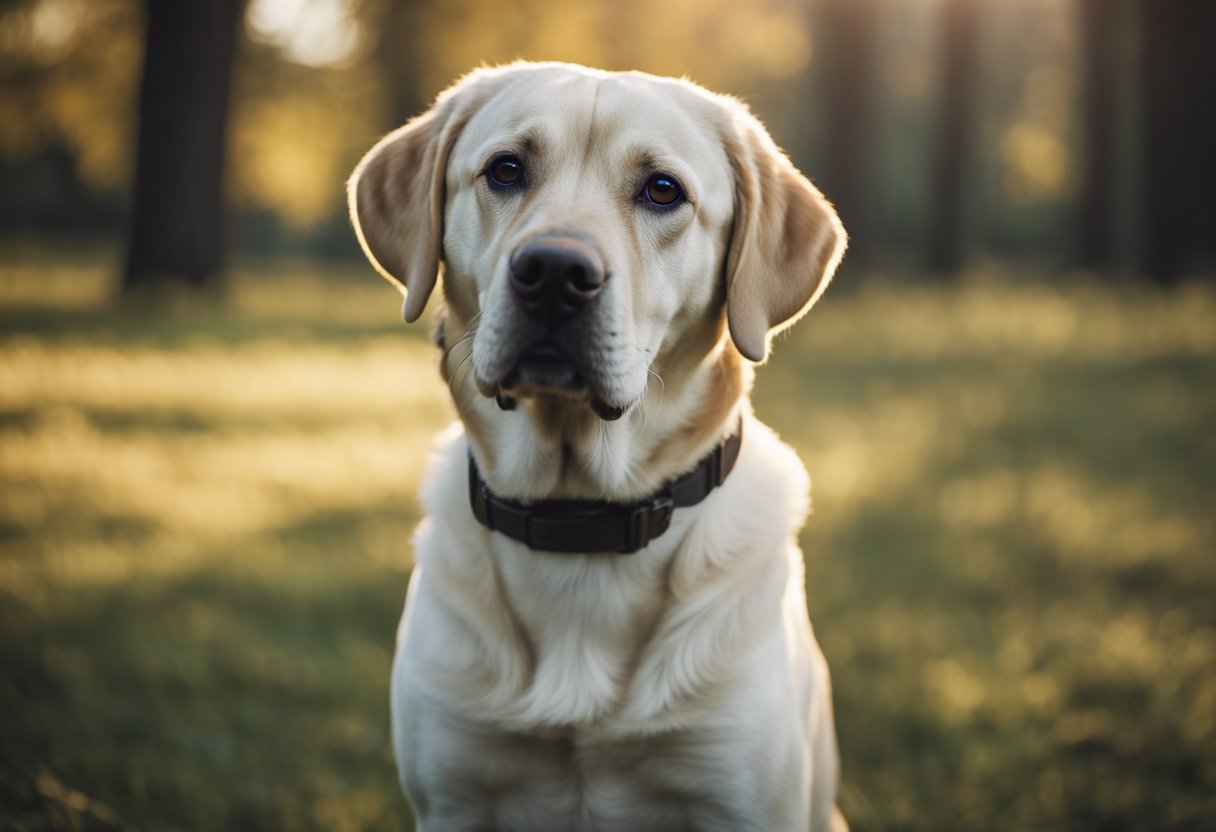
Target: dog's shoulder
[(763, 502)]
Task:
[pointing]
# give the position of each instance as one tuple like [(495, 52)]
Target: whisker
[(468, 334), (465, 363), (662, 390)]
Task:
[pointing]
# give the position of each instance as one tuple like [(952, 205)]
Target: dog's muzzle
[(555, 280)]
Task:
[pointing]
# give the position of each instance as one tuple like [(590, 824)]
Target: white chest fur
[(535, 691)]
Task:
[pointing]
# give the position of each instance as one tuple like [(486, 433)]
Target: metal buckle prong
[(649, 520)]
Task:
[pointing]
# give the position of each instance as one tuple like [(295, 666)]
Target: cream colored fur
[(679, 687)]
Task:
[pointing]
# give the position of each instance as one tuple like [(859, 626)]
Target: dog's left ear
[(785, 245), (396, 194)]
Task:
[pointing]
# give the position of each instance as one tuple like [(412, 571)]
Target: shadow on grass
[(1010, 563), (1018, 619), (107, 328), (260, 696)]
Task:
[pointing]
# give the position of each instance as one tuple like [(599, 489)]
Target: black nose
[(556, 277)]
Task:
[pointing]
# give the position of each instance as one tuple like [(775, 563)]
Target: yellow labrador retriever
[(606, 628)]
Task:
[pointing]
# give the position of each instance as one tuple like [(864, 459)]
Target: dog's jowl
[(606, 628)]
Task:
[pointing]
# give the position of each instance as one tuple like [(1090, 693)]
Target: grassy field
[(205, 523)]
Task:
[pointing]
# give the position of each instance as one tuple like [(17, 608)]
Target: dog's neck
[(548, 448)]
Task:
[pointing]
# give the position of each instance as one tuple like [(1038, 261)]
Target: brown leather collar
[(597, 526)]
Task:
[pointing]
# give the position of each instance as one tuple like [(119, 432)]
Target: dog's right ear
[(396, 194)]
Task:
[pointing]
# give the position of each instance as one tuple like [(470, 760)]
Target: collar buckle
[(649, 520)]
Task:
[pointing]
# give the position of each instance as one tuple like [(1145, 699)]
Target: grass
[(206, 514)]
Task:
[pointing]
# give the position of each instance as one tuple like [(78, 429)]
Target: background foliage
[(857, 92)]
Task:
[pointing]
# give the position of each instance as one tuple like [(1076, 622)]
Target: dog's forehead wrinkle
[(531, 140), (626, 126), (589, 140)]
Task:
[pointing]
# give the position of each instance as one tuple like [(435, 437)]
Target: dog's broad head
[(595, 229)]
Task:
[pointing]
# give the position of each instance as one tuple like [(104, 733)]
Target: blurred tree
[(308, 100), (67, 81), (177, 214), (397, 54), (947, 219), (848, 63), (1179, 123), (1099, 24)]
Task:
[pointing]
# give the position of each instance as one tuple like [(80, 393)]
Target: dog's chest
[(586, 624), (650, 691)]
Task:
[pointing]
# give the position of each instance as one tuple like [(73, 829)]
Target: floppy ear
[(785, 244), (396, 193)]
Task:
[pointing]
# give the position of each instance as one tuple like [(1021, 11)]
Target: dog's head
[(593, 227)]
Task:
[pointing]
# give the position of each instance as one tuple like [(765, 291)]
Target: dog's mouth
[(545, 370), (546, 367)]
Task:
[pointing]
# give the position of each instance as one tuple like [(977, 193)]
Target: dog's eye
[(662, 190), (505, 171)]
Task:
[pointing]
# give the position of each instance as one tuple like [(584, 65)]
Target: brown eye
[(662, 190), (505, 171)]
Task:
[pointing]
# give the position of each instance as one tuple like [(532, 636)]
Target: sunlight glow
[(317, 33), (53, 24)]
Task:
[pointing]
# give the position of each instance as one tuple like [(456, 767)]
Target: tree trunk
[(848, 84), (398, 60), (1099, 54), (1178, 217), (947, 222), (177, 215)]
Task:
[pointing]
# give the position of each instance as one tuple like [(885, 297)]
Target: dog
[(606, 625)]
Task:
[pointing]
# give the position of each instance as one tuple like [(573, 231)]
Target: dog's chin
[(545, 373)]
